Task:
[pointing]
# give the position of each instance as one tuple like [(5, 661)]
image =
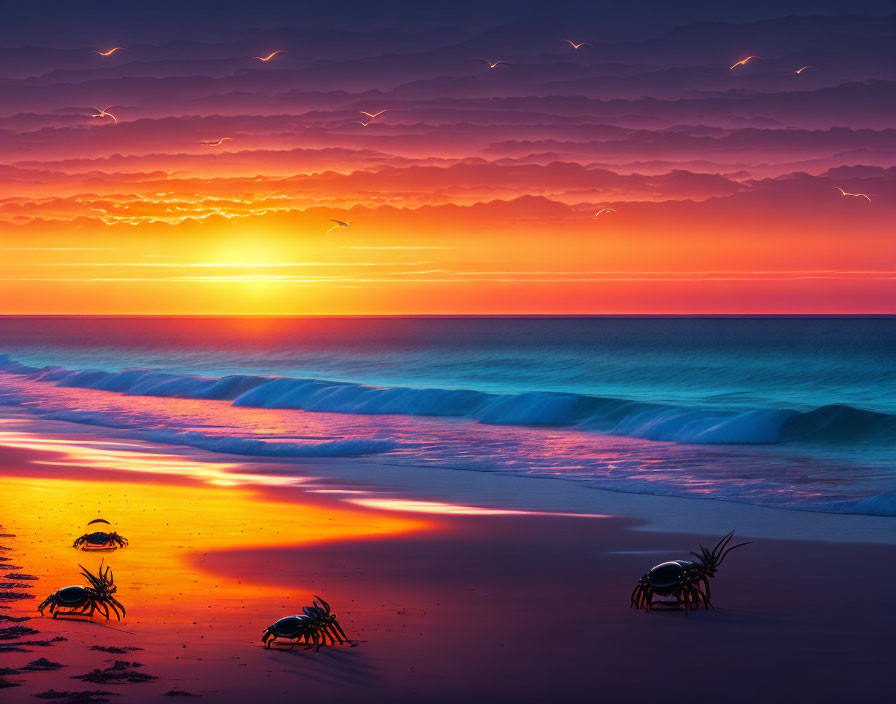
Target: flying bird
[(743, 62), (492, 64), (363, 124), (269, 56), (372, 115), (110, 52), (105, 113), (576, 46), (214, 142), (799, 71), (339, 223), (854, 195), (604, 210)]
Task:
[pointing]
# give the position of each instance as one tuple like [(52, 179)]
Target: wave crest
[(828, 424)]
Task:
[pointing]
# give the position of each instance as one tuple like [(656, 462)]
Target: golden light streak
[(445, 509)]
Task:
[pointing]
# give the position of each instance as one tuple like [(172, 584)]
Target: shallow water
[(785, 412)]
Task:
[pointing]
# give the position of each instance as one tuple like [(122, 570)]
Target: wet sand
[(519, 607)]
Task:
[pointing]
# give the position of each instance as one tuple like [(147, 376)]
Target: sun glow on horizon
[(516, 178)]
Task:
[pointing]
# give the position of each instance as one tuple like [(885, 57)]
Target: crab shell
[(289, 626), (666, 577), (71, 596)]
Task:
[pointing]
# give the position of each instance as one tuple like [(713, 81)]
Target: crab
[(686, 581), (81, 601), (100, 540), (315, 625)]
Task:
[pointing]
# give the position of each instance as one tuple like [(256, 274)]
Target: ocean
[(797, 413)]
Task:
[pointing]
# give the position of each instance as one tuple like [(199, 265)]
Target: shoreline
[(497, 490), (460, 602)]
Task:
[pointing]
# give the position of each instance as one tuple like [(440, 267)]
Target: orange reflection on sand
[(171, 529), (118, 456), (438, 507)]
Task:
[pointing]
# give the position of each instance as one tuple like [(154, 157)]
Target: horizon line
[(449, 316)]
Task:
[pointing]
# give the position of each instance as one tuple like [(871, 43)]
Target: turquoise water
[(801, 410)]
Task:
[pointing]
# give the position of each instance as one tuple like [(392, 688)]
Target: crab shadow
[(329, 665), (723, 616)]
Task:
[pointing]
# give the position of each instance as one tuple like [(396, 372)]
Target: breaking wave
[(827, 424)]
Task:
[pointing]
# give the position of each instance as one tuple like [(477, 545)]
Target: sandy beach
[(444, 599), (470, 331)]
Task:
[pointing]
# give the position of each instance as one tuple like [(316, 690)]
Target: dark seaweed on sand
[(12, 632), (19, 576), (22, 645), (114, 649), (86, 697), (39, 665), (14, 619), (120, 671), (13, 596), (42, 665), (179, 693)]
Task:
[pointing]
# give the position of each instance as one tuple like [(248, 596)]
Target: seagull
[(214, 142), (110, 52), (743, 62), (269, 56), (576, 46), (105, 113), (492, 64), (854, 195), (363, 124), (339, 223), (372, 115), (799, 71), (604, 210)]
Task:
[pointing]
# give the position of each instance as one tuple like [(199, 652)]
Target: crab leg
[(339, 629)]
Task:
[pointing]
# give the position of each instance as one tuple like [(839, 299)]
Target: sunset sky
[(476, 190)]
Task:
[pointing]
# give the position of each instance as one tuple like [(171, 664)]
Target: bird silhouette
[(576, 46), (854, 195), (109, 52), (105, 113), (492, 64), (604, 210), (214, 142), (339, 223), (269, 56), (372, 115), (743, 62), (800, 70)]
